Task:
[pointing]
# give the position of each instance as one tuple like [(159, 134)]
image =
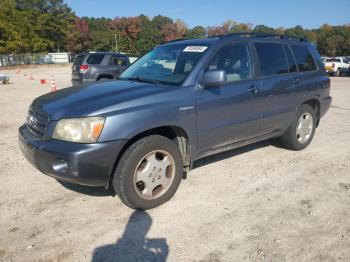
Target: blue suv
[(182, 101)]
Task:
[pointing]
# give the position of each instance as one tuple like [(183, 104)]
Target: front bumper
[(85, 164)]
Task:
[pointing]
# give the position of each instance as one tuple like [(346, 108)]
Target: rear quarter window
[(317, 57), (271, 58), (95, 59), (304, 58)]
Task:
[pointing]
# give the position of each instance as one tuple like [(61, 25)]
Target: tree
[(196, 32), (50, 25), (127, 30), (79, 39), (241, 27), (102, 35), (176, 30), (263, 29), (149, 37), (34, 26)]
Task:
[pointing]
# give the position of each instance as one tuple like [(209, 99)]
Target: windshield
[(165, 64)]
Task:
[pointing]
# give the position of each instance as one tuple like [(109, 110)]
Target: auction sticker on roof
[(199, 49)]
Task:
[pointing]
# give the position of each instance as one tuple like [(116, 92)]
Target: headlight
[(79, 130)]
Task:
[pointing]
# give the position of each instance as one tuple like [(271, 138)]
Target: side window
[(304, 58), (235, 60), (271, 58), (290, 58), (95, 59), (317, 57), (118, 61)]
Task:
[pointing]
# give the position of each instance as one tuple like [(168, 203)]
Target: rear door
[(230, 112), (315, 80), (281, 85)]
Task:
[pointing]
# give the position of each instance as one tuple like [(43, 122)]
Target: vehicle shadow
[(232, 153), (88, 190), (133, 245)]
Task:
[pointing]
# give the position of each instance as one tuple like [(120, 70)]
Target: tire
[(291, 139), (135, 191)]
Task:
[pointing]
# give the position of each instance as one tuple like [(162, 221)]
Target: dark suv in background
[(89, 67), (182, 101)]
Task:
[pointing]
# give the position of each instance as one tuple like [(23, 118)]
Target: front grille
[(36, 122)]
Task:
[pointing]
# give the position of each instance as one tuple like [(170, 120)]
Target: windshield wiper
[(144, 80)]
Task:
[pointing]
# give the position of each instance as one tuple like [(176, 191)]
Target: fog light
[(59, 165)]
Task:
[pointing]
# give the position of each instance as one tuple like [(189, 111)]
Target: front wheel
[(301, 132), (149, 173)]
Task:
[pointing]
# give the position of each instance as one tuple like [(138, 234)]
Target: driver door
[(229, 112)]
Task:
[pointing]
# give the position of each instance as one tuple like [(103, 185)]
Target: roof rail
[(257, 34), (176, 40)]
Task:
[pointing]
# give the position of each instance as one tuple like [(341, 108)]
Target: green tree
[(264, 29), (50, 25), (102, 35), (196, 32)]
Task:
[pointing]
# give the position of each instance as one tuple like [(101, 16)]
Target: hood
[(96, 99)]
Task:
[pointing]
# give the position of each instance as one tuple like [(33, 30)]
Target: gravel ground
[(257, 203)]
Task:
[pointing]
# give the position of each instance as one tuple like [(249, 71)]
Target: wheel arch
[(175, 133), (101, 76), (316, 105)]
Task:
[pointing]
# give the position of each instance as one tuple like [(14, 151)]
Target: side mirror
[(214, 78)]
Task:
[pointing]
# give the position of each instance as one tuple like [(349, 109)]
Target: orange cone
[(18, 70), (53, 84), (31, 77)]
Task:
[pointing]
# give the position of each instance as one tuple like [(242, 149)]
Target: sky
[(275, 13)]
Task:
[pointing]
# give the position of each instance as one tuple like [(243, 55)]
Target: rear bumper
[(325, 105), (85, 164)]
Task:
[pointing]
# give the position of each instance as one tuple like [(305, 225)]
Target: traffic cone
[(31, 77), (18, 70), (53, 84)]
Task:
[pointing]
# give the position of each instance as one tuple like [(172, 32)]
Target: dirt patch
[(257, 203)]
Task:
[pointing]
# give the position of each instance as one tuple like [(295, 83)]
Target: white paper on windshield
[(198, 49)]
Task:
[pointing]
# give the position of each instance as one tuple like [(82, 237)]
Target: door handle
[(295, 81), (253, 89)]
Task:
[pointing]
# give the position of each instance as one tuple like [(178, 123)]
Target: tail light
[(83, 68), (333, 65)]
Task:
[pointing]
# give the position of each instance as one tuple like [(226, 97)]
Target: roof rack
[(176, 40), (257, 34)]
